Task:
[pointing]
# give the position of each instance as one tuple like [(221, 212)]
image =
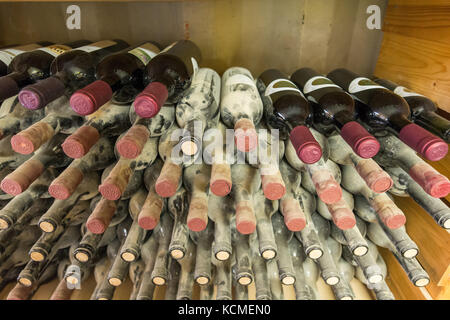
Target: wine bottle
[(8, 158), (172, 284), (411, 266), (284, 261), (115, 183), (262, 286), (198, 106), (220, 211), (240, 291), (215, 153), (341, 290), (374, 176), (119, 267), (31, 66), (101, 216), (131, 144), (14, 117), (98, 158), (328, 269), (58, 210), (178, 205), (389, 213), (266, 158), (321, 175), (340, 213), (381, 109), (311, 271), (294, 218), (353, 238), (70, 71), (302, 291), (153, 206), (59, 118), (108, 121), (241, 107), (203, 267), (241, 257), (62, 291), (246, 183), (423, 109), (286, 108), (276, 289), (113, 73), (308, 236), (405, 186), (90, 243), (8, 53), (223, 279), (148, 253), (160, 274), (395, 152), (17, 206), (264, 211), (186, 281), (196, 181), (333, 107), (100, 270), (135, 273), (50, 155), (399, 237), (167, 76), (169, 179)]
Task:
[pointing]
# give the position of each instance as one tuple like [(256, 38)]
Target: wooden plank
[(428, 21), (421, 65)]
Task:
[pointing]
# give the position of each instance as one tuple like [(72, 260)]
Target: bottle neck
[(112, 80), (22, 79), (435, 123), (342, 118), (399, 121)]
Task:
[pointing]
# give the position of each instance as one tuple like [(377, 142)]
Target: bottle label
[(279, 85), (316, 83), (194, 66), (97, 46), (361, 84), (6, 55), (55, 50), (169, 47), (240, 79), (404, 92), (145, 53)]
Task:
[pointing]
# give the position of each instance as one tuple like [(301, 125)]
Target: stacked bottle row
[(146, 180)]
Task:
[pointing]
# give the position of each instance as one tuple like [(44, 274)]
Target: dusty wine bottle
[(332, 106), (31, 66), (381, 109), (286, 108), (113, 73), (8, 53), (423, 109), (70, 71), (167, 75)]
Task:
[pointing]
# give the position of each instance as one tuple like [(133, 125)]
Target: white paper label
[(7, 55), (361, 84), (404, 92), (316, 83), (240, 79), (283, 85), (143, 54), (97, 46), (55, 50)]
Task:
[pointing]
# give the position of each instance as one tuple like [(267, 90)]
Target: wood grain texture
[(421, 65), (428, 20), (257, 34)]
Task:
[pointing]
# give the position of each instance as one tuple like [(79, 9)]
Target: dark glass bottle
[(383, 109), (32, 66), (7, 53), (70, 71), (113, 73), (167, 76), (287, 109), (423, 110), (333, 106)]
